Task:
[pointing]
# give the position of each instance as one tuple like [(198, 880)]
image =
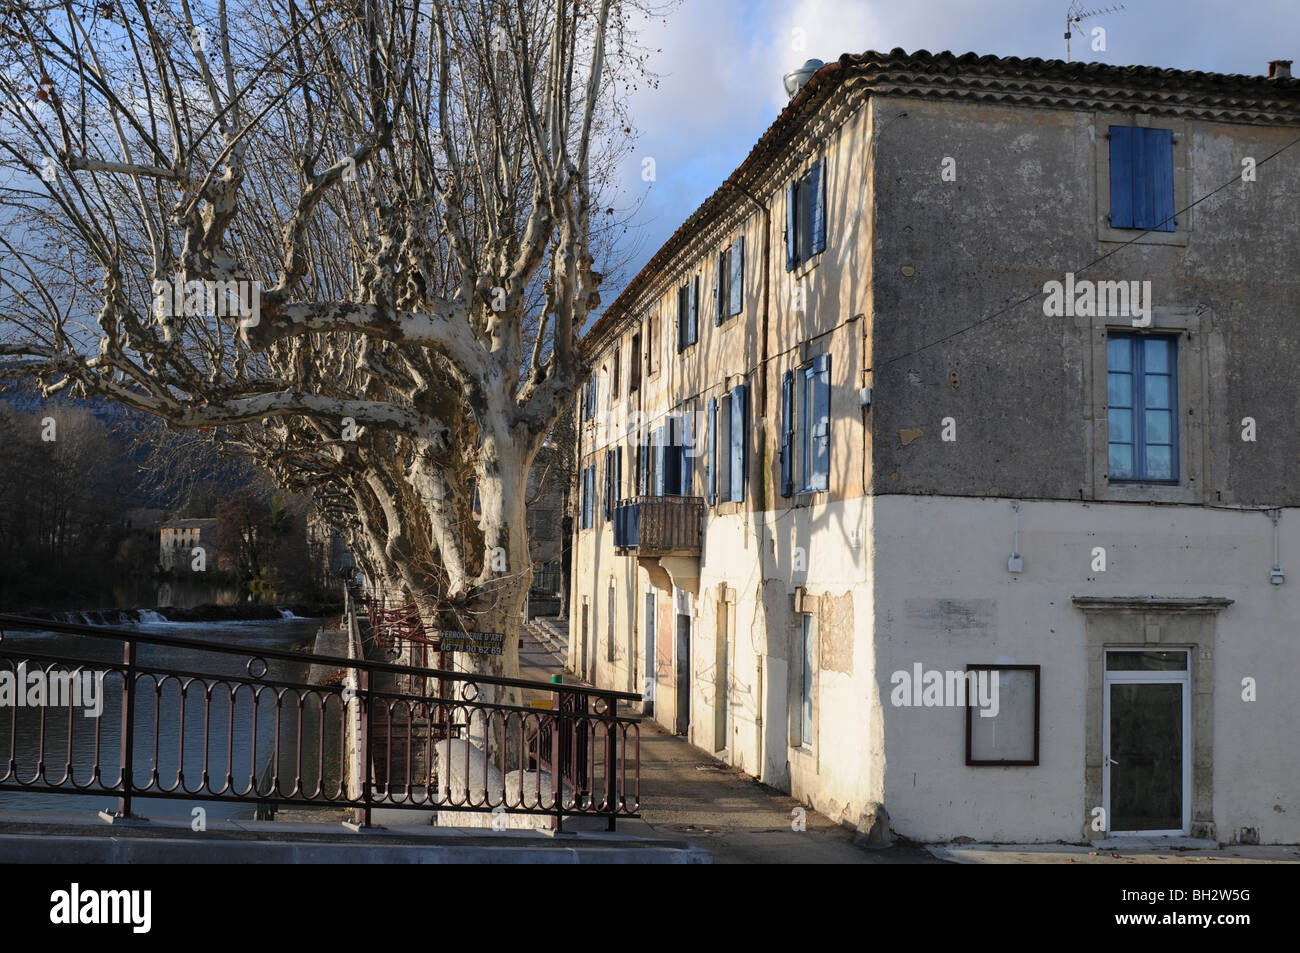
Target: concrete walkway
[(1113, 854), (67, 839), (688, 795)]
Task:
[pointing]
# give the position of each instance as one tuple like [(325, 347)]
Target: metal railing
[(659, 524), (208, 729)]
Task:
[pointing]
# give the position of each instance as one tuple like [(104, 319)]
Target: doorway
[(721, 694), (683, 723), (586, 615), (1146, 745), (651, 663)]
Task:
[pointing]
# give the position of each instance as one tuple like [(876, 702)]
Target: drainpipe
[(759, 739)]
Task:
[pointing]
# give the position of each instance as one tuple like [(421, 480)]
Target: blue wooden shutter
[(1121, 176), (738, 444), (688, 461), (711, 447), (588, 472), (791, 225), (609, 485), (718, 301), (818, 190), (660, 453), (681, 320), (618, 475), (736, 280), (694, 309), (787, 433), (1142, 178), (821, 422), (1157, 178), (643, 459)]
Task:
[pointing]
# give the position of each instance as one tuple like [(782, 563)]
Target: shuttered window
[(805, 216), (787, 434), (816, 421), (730, 297), (738, 446), (587, 493), (711, 448), (736, 279), (688, 306), (609, 485), (1142, 178), (686, 452)]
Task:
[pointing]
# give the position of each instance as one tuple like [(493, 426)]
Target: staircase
[(553, 633)]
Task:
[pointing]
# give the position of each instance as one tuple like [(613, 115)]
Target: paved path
[(688, 795), (1078, 854)]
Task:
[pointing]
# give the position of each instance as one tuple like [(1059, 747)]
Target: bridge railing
[(136, 714)]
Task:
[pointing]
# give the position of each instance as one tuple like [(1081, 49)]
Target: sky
[(721, 64)]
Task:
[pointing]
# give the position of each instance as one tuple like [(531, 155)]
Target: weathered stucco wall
[(1023, 210), (944, 599)]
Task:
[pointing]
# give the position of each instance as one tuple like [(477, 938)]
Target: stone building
[(177, 540), (941, 468)]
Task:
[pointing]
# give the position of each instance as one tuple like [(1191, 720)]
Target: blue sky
[(722, 61)]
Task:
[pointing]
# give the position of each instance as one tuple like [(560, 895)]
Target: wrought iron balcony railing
[(659, 526)]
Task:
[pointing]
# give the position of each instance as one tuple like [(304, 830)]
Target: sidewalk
[(1114, 854), (688, 795)]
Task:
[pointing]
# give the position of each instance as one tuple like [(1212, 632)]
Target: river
[(246, 736)]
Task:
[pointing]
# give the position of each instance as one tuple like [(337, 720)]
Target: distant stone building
[(327, 549), (546, 497), (178, 538)]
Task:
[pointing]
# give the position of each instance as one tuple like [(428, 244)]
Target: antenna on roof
[(1075, 14)]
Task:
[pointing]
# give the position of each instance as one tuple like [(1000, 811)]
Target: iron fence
[(245, 734)]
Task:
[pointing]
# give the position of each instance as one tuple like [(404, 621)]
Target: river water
[(240, 737)]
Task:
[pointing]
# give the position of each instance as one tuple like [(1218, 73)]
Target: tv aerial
[(1077, 13)]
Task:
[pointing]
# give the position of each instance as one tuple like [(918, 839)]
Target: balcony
[(650, 526)]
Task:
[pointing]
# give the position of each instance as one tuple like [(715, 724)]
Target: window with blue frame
[(805, 216), (737, 444), (727, 446), (587, 494), (1142, 178), (730, 293), (688, 311), (1141, 407), (815, 421)]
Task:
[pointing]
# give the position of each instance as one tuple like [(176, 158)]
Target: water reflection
[(249, 742)]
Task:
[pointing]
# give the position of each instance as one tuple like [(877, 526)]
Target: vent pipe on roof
[(1279, 69), (795, 79)]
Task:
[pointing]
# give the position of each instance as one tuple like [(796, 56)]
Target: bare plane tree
[(356, 239)]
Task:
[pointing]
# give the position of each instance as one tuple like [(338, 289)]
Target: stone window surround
[(1102, 121), (806, 756), (1200, 359), (1165, 623)]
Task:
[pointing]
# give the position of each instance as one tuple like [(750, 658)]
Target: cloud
[(722, 61)]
